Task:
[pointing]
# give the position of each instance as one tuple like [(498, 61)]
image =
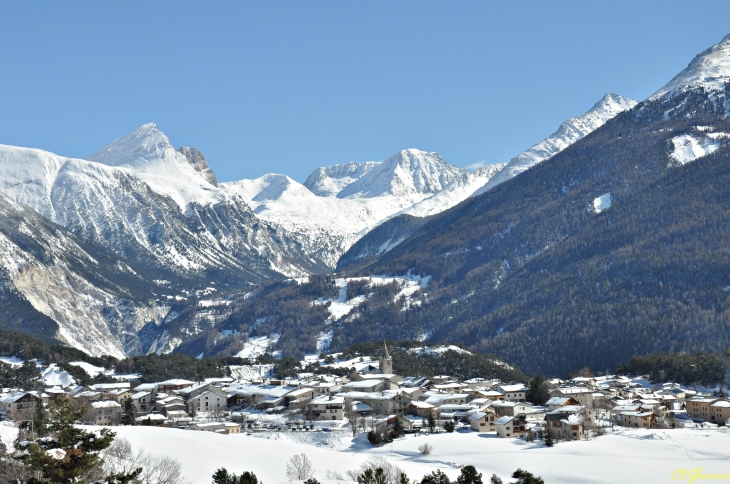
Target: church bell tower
[(386, 362)]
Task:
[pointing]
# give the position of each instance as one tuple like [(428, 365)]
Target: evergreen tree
[(248, 478), (524, 477), (469, 475), (548, 437), (398, 429), (449, 426), (221, 476), (69, 453), (495, 479), (372, 477), (537, 390), (436, 477), (129, 412), (431, 422)]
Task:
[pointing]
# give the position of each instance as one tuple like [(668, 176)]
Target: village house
[(326, 408), (720, 412), (646, 420), (514, 393), (143, 402), (107, 412), (174, 384), (208, 401), (699, 407), (565, 427), (20, 406), (482, 422), (582, 395), (510, 427)]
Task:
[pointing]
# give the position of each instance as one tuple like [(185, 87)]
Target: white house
[(208, 401), (514, 393), (326, 408)]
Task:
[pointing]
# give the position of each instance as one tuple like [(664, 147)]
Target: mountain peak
[(144, 143), (407, 172), (709, 70)]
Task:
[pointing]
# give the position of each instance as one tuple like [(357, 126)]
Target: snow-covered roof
[(365, 384), (325, 399), (721, 403), (513, 388), (106, 404), (503, 420), (176, 382)]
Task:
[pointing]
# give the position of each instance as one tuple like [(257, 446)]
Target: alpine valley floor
[(626, 456)]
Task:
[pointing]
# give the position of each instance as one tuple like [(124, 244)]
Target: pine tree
[(548, 436), (524, 477), (398, 429), (129, 412), (431, 422), (436, 477), (68, 453), (469, 475)]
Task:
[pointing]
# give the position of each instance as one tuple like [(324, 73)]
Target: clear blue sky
[(289, 86)]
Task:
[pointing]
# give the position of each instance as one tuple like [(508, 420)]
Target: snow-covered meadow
[(631, 456)]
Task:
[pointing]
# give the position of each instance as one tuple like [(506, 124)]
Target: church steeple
[(386, 362)]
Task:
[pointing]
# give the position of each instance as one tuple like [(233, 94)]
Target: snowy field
[(635, 456)]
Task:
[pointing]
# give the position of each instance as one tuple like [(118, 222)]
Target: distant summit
[(709, 70)]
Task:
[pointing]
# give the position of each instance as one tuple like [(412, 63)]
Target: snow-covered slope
[(709, 70), (569, 132), (339, 204)]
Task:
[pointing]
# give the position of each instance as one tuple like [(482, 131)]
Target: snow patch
[(687, 148), (602, 203)]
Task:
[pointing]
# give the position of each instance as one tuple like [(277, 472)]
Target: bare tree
[(119, 458), (393, 474), (299, 468), (425, 449), (333, 476)]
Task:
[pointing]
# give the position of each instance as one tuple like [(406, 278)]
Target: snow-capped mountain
[(339, 204), (709, 70), (330, 180), (156, 207), (569, 132), (52, 285)]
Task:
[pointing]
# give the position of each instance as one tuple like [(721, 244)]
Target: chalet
[(565, 427), (410, 423), (421, 409), (174, 384), (646, 420), (20, 406), (510, 427), (482, 422), (557, 402)]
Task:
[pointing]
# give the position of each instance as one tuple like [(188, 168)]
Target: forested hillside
[(531, 272)]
